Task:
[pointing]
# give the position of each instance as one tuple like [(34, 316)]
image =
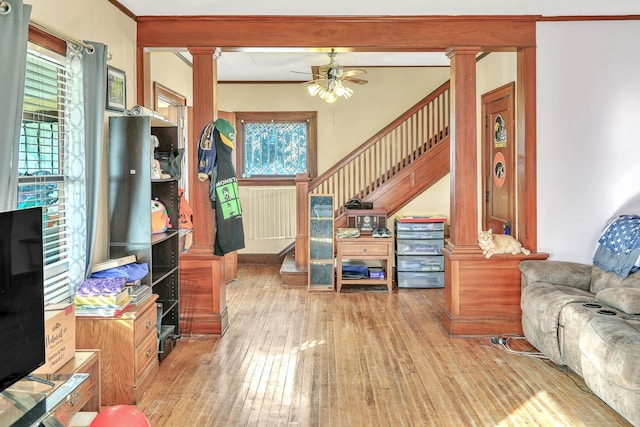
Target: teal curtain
[(14, 32), (95, 99), (86, 93)]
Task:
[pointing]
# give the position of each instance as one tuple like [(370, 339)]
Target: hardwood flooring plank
[(358, 358)]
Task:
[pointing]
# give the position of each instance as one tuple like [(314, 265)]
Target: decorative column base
[(482, 296), (209, 304)]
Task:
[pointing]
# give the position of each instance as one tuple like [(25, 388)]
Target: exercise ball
[(120, 416)]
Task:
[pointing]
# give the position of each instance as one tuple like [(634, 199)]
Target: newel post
[(302, 220)]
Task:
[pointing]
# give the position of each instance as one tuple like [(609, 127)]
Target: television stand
[(30, 402)]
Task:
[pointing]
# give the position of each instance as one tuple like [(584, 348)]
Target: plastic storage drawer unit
[(419, 260), (419, 247), (420, 279), (420, 263)]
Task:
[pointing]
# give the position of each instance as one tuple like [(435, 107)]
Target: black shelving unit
[(130, 194)]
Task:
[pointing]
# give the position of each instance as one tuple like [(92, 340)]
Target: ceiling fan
[(328, 83)]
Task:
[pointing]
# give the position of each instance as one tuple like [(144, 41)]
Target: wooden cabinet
[(131, 190), (365, 248), (128, 346)]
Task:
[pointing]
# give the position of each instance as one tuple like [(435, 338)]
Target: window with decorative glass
[(41, 167), (273, 147)]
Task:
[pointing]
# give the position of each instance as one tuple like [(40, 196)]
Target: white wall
[(173, 73), (588, 108)]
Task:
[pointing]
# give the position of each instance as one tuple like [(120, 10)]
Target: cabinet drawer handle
[(74, 398), (364, 250), (149, 352), (148, 324)]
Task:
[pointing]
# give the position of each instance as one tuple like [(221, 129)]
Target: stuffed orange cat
[(499, 244)]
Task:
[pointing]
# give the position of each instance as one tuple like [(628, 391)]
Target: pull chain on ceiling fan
[(329, 82)]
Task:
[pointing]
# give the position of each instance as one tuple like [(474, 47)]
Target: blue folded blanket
[(619, 246), (131, 272)]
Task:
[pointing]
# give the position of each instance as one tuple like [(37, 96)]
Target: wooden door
[(498, 159)]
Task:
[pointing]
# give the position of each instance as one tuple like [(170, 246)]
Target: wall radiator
[(269, 213)]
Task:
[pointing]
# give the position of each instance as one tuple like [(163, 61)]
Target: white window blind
[(41, 167)]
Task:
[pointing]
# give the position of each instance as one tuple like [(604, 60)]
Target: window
[(272, 147), (41, 168)]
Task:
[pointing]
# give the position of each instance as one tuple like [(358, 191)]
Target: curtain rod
[(5, 9), (53, 32)]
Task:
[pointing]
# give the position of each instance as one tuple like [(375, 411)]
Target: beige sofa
[(588, 320)]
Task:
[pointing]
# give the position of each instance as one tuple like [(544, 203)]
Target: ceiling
[(294, 65), (277, 64)]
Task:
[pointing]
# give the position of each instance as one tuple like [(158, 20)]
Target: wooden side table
[(87, 396), (365, 248)]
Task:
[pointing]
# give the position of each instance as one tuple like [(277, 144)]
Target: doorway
[(498, 159)]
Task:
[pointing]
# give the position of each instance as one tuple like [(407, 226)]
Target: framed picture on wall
[(116, 89)]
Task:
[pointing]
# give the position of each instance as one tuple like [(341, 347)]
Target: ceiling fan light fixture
[(313, 89), (329, 85), (330, 97)]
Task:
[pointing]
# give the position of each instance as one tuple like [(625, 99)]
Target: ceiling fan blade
[(320, 80), (350, 73), (356, 81), (313, 76)]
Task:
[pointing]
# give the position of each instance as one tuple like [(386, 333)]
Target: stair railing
[(376, 161), (389, 151)]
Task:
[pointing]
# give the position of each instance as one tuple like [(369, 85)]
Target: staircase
[(390, 169)]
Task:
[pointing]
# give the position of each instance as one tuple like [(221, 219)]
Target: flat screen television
[(22, 343)]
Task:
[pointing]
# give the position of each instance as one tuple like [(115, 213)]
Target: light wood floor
[(293, 358)]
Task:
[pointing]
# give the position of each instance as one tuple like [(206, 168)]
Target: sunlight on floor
[(534, 408), (307, 345)]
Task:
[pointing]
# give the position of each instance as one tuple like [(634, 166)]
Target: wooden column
[(204, 111), (464, 177), (464, 148), (527, 230), (200, 264), (482, 296)]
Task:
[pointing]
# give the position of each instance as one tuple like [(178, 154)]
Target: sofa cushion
[(541, 305), (624, 299), (572, 321), (556, 272), (605, 279), (610, 365)]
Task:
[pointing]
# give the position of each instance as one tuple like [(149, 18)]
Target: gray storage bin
[(402, 234), (419, 247), (420, 263), (419, 226), (419, 279)]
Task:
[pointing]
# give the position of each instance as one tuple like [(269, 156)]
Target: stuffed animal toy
[(160, 220), (156, 170)]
